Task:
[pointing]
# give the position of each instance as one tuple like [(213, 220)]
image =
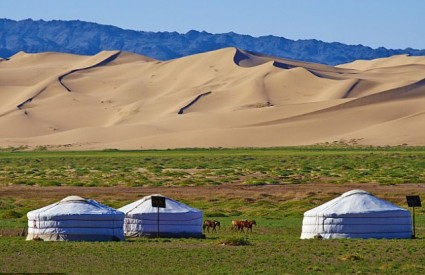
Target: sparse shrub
[(255, 182), (50, 183), (10, 214), (26, 182), (40, 148), (234, 213), (90, 184), (81, 172), (77, 184), (135, 183), (350, 257), (235, 241), (215, 214)]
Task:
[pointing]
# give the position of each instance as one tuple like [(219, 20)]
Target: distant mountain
[(89, 38)]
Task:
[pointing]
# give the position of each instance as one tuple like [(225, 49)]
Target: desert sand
[(223, 98)]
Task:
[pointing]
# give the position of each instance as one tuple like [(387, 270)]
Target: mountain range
[(85, 38)]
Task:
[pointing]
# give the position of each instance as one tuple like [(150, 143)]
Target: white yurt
[(76, 219), (357, 214), (175, 220)]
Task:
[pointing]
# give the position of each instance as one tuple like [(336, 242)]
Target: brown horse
[(249, 225), (239, 225), (236, 225), (211, 224)]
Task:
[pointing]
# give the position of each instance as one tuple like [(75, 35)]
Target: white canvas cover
[(76, 219), (357, 214), (176, 220)]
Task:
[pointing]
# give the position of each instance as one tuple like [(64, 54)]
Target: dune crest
[(224, 98)]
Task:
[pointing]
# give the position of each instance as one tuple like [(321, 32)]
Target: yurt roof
[(144, 205), (73, 205), (354, 202)]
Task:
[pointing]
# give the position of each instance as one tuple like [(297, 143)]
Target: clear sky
[(375, 23)]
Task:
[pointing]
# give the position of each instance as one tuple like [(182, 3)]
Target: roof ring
[(73, 199), (355, 192)]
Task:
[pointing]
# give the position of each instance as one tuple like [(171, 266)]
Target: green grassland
[(213, 167), (273, 248)]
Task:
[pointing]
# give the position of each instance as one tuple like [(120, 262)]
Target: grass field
[(274, 186)]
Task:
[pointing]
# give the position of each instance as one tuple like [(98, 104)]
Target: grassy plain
[(274, 186)]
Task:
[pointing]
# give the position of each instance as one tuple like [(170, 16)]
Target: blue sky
[(388, 23)]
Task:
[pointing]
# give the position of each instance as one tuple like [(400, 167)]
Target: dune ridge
[(102, 62), (224, 98)]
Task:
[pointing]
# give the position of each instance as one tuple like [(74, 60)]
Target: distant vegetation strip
[(199, 167)]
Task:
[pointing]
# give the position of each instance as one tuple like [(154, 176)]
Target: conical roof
[(144, 205), (354, 202), (71, 206)]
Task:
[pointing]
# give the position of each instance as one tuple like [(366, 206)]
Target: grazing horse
[(239, 225), (211, 224), (249, 225), (217, 224), (236, 225)]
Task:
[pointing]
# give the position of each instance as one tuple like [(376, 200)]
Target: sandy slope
[(226, 98)]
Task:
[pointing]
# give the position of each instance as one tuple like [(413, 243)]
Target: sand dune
[(224, 98)]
